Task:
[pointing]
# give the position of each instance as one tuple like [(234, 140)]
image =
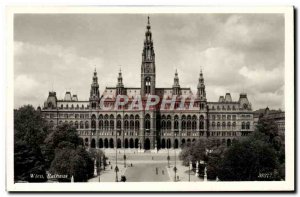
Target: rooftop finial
[(148, 25)]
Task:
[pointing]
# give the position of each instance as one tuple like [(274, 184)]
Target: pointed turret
[(176, 86), (120, 85), (201, 94), (94, 93)]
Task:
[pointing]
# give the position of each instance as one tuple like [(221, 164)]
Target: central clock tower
[(148, 65)]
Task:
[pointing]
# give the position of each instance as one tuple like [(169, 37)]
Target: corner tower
[(120, 85), (176, 86), (148, 64), (201, 93), (94, 93)]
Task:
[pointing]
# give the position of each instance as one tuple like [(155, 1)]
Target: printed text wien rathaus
[(147, 117)]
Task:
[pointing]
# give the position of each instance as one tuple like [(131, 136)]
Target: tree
[(247, 159), (67, 156), (29, 133), (213, 161), (72, 162), (58, 138), (29, 163), (196, 151), (268, 127), (29, 126)]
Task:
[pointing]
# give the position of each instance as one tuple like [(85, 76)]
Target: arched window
[(223, 125), (93, 123), (163, 125), (218, 125), (87, 124), (100, 124), (126, 125), (147, 122), (119, 122), (169, 122), (248, 125), (112, 124), (176, 125), (189, 123), (131, 117), (243, 125), (183, 122), (137, 125), (76, 125), (228, 124), (213, 124), (201, 123), (233, 125), (131, 124), (81, 125), (106, 125)]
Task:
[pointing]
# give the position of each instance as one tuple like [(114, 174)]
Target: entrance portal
[(147, 144)]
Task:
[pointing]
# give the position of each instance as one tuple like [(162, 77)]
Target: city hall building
[(179, 122)]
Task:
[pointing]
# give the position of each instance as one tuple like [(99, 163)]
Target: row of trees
[(38, 149), (260, 156)]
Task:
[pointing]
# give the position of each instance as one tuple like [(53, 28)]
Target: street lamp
[(124, 157), (175, 168), (99, 164), (116, 168), (190, 163), (168, 158)]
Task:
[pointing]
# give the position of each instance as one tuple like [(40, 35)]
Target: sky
[(237, 53)]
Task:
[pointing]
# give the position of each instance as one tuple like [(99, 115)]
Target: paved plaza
[(145, 167)]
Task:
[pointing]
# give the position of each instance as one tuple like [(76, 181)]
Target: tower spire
[(148, 63), (94, 93), (176, 86), (120, 85), (201, 87)]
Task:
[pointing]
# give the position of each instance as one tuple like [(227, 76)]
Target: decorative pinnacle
[(148, 25)]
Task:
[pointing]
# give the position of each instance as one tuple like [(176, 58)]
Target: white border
[(286, 185)]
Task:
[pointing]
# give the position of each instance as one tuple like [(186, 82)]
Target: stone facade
[(156, 127)]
